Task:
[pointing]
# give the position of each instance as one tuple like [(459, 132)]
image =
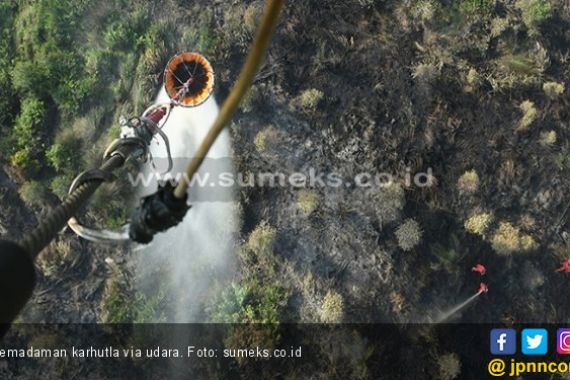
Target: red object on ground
[(565, 267), (479, 268), (483, 288), (157, 115)]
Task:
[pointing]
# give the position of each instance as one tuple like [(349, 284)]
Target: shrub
[(534, 12), (409, 235), (498, 26), (389, 202), (33, 194), (260, 141), (262, 240), (425, 73), (468, 182), (477, 7), (332, 310), (249, 302), (251, 99), (310, 99), (548, 138), (53, 259), (478, 223), (473, 79), (508, 239), (116, 305), (553, 89), (29, 122), (24, 160), (449, 366), (530, 114), (251, 16), (307, 201), (64, 154)]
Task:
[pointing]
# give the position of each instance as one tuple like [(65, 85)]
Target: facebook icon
[(503, 341)]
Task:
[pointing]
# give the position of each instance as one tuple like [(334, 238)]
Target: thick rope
[(51, 224)]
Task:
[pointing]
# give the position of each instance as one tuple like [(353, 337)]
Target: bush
[(425, 73), (310, 99), (478, 223), (249, 302), (33, 194), (29, 123), (24, 160), (409, 235), (449, 366), (64, 155), (530, 114), (262, 240), (468, 182), (260, 141), (508, 239), (52, 260), (251, 17), (553, 89), (332, 310), (548, 138), (534, 12), (389, 202), (307, 201)]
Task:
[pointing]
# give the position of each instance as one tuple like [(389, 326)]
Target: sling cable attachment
[(188, 81)]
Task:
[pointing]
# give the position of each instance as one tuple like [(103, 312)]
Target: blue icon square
[(503, 341), (534, 341)]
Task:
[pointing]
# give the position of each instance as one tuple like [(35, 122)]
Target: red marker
[(565, 267), (479, 268)]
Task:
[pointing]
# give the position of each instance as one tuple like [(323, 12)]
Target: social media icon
[(503, 341), (563, 341), (534, 341)]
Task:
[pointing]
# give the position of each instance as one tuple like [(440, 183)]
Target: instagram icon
[(563, 341)]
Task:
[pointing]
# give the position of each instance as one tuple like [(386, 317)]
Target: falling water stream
[(443, 317), (197, 253)]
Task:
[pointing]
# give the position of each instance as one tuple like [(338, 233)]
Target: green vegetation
[(250, 301), (120, 305), (534, 12), (448, 255)]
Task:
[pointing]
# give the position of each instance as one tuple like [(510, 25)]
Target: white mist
[(199, 252)]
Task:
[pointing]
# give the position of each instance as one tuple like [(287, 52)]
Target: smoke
[(197, 254)]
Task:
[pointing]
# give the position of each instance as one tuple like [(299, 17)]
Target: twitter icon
[(534, 341)]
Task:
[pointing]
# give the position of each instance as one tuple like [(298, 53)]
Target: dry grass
[(479, 223), (409, 235), (332, 310), (508, 239), (307, 201), (468, 182)]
